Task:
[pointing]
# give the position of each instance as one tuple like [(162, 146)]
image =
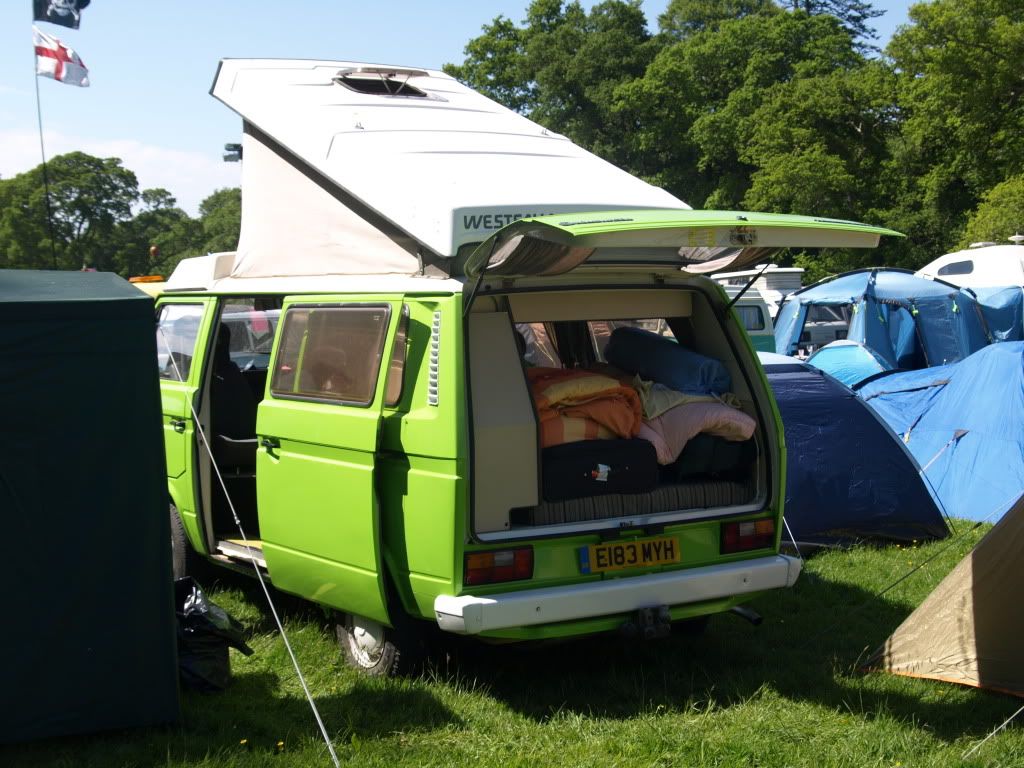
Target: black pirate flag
[(67, 13)]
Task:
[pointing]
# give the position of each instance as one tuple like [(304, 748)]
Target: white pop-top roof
[(980, 266), (410, 153)]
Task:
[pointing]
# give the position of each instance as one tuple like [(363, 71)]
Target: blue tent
[(848, 361), (964, 423), (909, 322), (847, 476), (1003, 309)]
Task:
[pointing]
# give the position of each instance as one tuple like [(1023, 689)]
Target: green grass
[(787, 693)]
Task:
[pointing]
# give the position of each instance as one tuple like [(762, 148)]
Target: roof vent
[(1017, 239), (982, 244), (381, 81)]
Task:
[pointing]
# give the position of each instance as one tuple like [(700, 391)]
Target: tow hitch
[(746, 613), (649, 624)]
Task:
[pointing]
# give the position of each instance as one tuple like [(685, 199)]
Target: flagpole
[(42, 152)]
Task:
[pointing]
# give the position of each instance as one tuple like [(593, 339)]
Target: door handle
[(178, 424), (270, 443)]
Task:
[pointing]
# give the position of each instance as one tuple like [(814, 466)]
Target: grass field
[(786, 693)]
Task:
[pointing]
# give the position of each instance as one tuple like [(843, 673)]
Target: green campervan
[(420, 406)]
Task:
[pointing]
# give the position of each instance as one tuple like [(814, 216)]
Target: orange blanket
[(562, 396)]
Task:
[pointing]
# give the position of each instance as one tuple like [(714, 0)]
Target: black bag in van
[(597, 467), (709, 456)]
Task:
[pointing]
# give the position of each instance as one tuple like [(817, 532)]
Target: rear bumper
[(469, 615)]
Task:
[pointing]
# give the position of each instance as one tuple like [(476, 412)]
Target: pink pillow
[(678, 425)]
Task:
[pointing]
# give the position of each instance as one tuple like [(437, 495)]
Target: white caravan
[(982, 265)]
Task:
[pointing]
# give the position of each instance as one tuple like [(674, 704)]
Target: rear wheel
[(185, 561), (378, 650)]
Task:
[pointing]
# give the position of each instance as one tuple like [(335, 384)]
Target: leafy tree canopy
[(717, 108), (961, 100), (98, 218), (89, 197), (854, 15), (563, 65), (221, 215), (683, 18), (1000, 214)]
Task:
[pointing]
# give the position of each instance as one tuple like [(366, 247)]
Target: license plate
[(619, 555)]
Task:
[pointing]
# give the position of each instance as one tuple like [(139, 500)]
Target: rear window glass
[(176, 333), (824, 324), (751, 317), (601, 331), (331, 353)]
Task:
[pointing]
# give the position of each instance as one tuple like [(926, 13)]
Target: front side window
[(176, 333), (331, 353)]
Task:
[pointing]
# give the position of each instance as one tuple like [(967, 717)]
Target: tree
[(961, 98), (715, 108), (853, 15), (496, 65), (221, 216), (563, 66), (819, 143), (88, 198), (1000, 214), (683, 18), (160, 224)]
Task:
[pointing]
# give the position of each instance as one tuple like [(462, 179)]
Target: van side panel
[(422, 465)]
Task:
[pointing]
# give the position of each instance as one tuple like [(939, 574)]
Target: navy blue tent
[(847, 476), (909, 322), (964, 423)]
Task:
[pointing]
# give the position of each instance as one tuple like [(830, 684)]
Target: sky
[(151, 65)]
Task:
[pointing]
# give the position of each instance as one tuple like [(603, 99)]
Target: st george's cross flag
[(54, 59)]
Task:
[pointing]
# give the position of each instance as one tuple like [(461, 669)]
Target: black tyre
[(377, 650), (185, 561)]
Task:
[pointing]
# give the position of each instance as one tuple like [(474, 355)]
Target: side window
[(538, 346), (393, 392), (331, 353), (751, 316), (957, 268), (251, 335), (176, 332)]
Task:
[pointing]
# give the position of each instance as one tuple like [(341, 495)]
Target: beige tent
[(970, 629)]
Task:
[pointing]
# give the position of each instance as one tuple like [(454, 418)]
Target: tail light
[(498, 565), (740, 537)]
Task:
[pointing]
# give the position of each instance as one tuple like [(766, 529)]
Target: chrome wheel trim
[(365, 639)]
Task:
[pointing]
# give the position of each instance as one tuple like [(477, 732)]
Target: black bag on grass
[(205, 631)]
